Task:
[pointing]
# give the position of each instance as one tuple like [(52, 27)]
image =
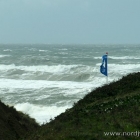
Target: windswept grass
[(111, 108), (13, 124)]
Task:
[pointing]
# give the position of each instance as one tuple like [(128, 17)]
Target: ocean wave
[(77, 73), (42, 114), (64, 49), (4, 56), (122, 66), (98, 57), (32, 49), (124, 57), (46, 68), (43, 50), (7, 50), (51, 73), (122, 69), (119, 57), (38, 84)]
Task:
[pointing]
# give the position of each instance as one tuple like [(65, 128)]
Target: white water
[(43, 81)]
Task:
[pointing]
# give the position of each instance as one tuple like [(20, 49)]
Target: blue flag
[(103, 67)]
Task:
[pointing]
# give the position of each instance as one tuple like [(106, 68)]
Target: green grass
[(111, 108), (13, 124)]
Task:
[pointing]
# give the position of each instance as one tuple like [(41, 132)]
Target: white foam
[(123, 57), (32, 49), (43, 50), (121, 67), (37, 84), (119, 57), (98, 57), (7, 50), (42, 114), (63, 53), (63, 49), (116, 70), (124, 69), (42, 68), (4, 56)]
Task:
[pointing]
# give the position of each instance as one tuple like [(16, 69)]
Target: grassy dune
[(110, 108), (13, 124)]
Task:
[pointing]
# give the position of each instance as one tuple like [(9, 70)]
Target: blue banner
[(103, 67)]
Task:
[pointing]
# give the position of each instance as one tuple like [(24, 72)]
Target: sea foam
[(42, 114)]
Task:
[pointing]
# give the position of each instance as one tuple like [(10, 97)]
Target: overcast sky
[(70, 21)]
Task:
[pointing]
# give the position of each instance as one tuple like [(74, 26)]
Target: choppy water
[(44, 80)]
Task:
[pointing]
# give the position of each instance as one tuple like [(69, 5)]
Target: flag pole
[(106, 79), (107, 68)]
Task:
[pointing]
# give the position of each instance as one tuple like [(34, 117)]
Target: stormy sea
[(43, 80)]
